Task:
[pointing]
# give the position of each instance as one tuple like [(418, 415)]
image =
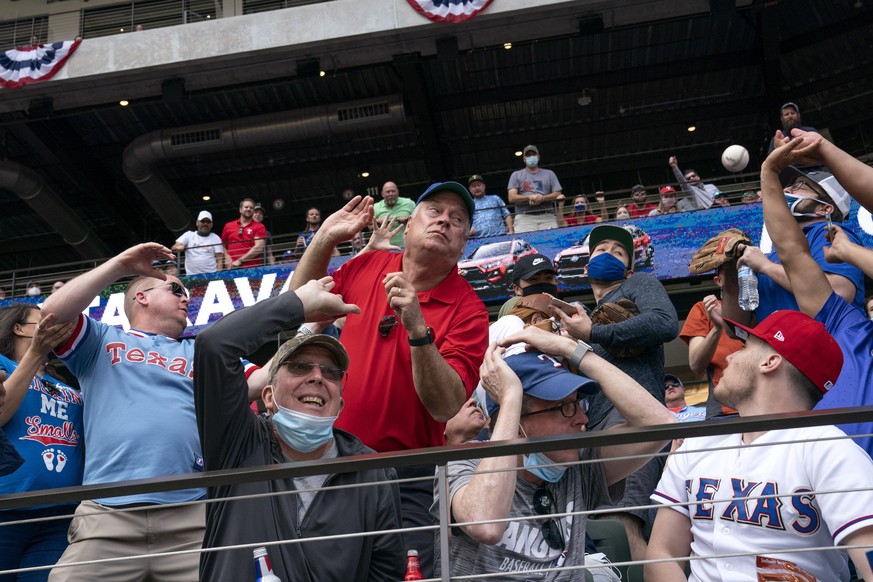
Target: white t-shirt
[(200, 252)]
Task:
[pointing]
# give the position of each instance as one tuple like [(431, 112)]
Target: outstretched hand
[(383, 232), (807, 153), (349, 220), (319, 304), (783, 155), (138, 260)]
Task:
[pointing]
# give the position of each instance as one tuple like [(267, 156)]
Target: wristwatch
[(424, 340), (581, 349)]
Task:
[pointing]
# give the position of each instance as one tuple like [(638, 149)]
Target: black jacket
[(233, 436)]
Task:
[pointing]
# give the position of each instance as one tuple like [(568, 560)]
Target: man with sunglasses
[(303, 397), (139, 420), (813, 198), (530, 395), (698, 196), (416, 346)]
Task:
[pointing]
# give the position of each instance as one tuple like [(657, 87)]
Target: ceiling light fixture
[(124, 102), (507, 45), (518, 154), (365, 174), (321, 73), (692, 128), (207, 197)]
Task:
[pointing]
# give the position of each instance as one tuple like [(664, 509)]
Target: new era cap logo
[(779, 336), (537, 261)]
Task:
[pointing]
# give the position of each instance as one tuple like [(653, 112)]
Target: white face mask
[(532, 161), (622, 215), (668, 202)]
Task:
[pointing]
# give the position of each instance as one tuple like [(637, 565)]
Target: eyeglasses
[(386, 324), (301, 369), (175, 288), (544, 504), (568, 409), (672, 385)]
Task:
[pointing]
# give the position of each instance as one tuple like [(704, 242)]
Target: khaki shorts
[(99, 532)]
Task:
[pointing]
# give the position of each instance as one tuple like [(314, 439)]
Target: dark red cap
[(667, 189), (802, 341)]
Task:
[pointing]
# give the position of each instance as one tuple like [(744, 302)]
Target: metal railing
[(439, 457)]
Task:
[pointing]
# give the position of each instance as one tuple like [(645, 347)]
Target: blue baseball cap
[(453, 187), (543, 377)]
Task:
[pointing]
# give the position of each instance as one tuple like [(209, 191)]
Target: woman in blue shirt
[(42, 417)]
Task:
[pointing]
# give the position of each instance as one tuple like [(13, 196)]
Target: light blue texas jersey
[(139, 407)]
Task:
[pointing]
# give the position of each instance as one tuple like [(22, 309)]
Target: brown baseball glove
[(621, 310), (718, 250)]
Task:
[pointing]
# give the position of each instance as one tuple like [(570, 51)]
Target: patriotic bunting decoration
[(449, 10), (30, 64)]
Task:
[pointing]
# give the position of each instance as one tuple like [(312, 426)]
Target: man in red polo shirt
[(243, 238), (416, 347)]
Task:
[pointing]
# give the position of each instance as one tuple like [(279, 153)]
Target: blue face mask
[(606, 267), (532, 161), (579, 207), (793, 201), (551, 474), (303, 432)]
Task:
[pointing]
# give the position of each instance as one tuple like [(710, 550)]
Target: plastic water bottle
[(748, 284), (413, 570), (263, 568)]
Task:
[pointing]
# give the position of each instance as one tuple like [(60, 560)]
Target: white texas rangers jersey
[(728, 515)]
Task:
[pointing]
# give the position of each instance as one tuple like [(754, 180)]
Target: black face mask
[(550, 288)]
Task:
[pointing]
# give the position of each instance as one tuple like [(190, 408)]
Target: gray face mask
[(532, 161)]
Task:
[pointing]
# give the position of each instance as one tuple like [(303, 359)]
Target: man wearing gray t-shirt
[(530, 394), (536, 194)]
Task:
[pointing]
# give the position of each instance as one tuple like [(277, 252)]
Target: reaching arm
[(71, 299), (340, 226), (489, 493), (810, 286), (671, 538), (46, 336), (600, 197), (844, 250), (855, 176), (636, 405), (862, 537)]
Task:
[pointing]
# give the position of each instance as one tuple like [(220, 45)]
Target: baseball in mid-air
[(735, 158)]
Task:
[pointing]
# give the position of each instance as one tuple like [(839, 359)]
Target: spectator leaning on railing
[(202, 247), (491, 218), (536, 194)]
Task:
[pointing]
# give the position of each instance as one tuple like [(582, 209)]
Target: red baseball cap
[(802, 341), (667, 189)]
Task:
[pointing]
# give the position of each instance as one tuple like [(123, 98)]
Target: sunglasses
[(568, 409), (544, 504), (301, 369), (672, 385), (175, 288), (386, 324), (240, 231)]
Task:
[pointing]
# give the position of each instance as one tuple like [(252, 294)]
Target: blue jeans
[(33, 544)]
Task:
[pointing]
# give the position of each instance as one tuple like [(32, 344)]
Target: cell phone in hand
[(568, 308), (831, 231)]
